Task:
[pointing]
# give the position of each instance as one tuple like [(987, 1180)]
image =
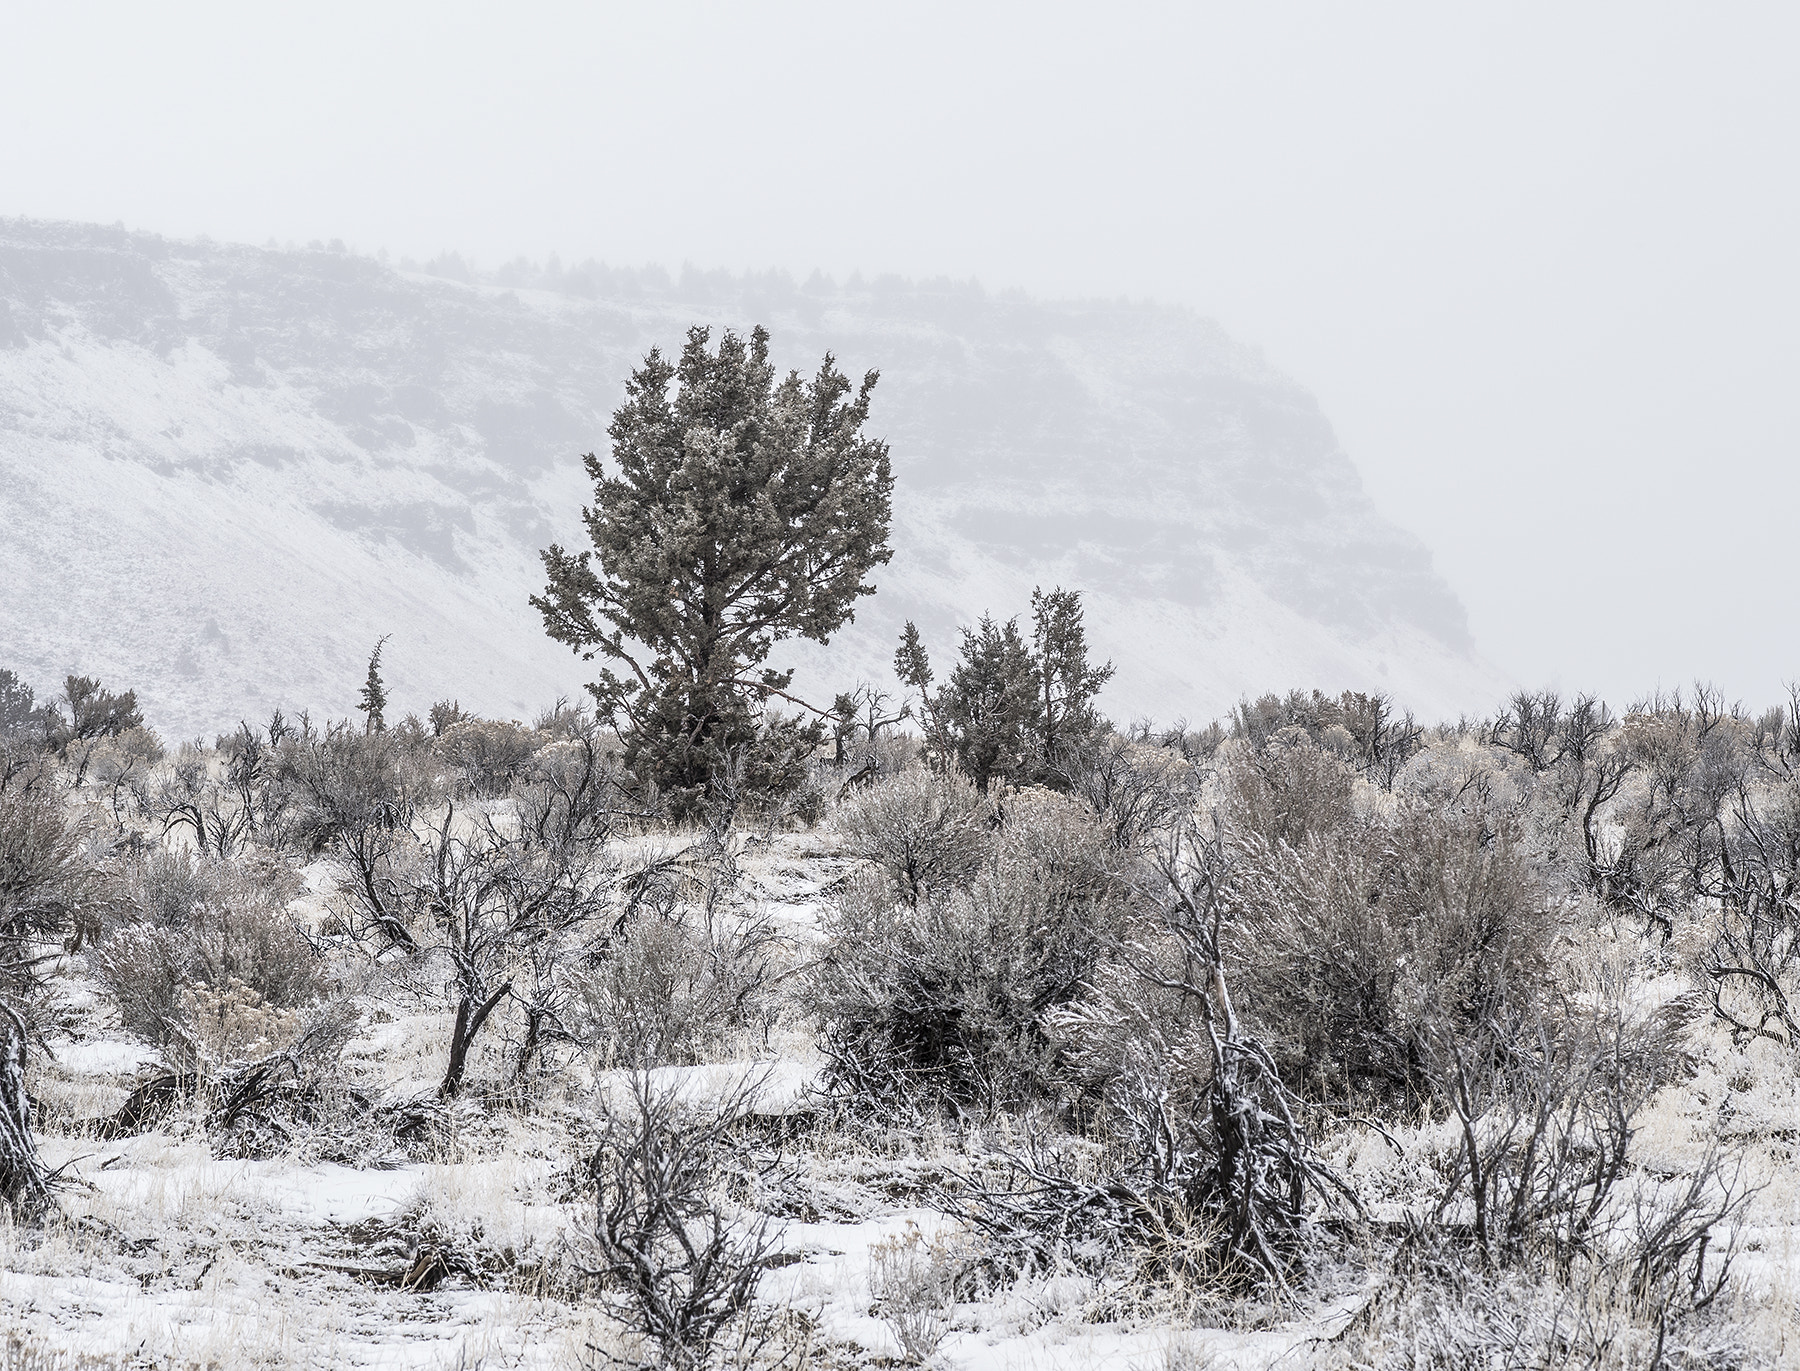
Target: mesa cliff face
[(225, 471)]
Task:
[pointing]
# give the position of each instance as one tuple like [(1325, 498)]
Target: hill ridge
[(228, 469)]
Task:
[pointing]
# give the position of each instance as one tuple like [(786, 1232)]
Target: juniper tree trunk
[(23, 1183)]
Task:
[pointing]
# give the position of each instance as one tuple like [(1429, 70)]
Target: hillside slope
[(225, 471)]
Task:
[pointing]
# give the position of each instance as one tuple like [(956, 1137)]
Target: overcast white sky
[(1538, 262)]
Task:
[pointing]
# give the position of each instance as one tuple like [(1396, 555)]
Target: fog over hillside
[(226, 471)]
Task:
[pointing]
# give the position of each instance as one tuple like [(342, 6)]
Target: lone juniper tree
[(742, 509)]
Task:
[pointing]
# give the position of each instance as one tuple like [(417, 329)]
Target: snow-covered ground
[(176, 1256)]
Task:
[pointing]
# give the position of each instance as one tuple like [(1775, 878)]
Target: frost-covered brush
[(1752, 967), (575, 799), (19, 963), (1216, 1200), (1542, 1178), (498, 910), (47, 884), (262, 1102), (217, 829), (912, 1282), (1210, 1183), (687, 1269), (258, 1105), (1262, 1163)]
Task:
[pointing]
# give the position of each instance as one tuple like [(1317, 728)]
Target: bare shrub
[(189, 795), (690, 964), (859, 717), (684, 1264), (1543, 1144), (231, 798), (929, 831), (570, 795), (1367, 732), (1752, 971), (948, 995), (477, 916), (1139, 791), (288, 1096), (354, 796), (1547, 1245), (1640, 808), (1445, 1315), (1529, 726), (293, 1094), (1750, 965), (1221, 1201), (121, 767), (93, 712)]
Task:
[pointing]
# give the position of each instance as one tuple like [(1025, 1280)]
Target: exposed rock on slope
[(225, 471)]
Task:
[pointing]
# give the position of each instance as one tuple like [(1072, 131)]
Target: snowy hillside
[(225, 471)]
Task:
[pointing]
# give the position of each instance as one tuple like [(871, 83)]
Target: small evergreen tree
[(913, 666), (1066, 683), (1012, 710), (374, 692), (95, 712), (990, 703)]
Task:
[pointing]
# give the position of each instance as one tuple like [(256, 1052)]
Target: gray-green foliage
[(89, 710), (928, 833), (741, 509), (47, 885), (947, 993), (203, 924)]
